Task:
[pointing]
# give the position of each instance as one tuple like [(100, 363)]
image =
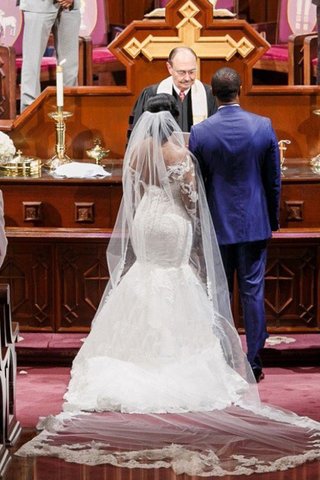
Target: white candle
[(59, 84)]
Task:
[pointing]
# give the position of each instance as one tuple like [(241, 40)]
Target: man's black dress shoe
[(258, 374)]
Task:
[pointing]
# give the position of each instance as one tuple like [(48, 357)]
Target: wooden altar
[(58, 229)]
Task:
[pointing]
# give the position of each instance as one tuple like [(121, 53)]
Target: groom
[(239, 158)]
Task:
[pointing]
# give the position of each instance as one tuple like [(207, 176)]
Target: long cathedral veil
[(243, 438)]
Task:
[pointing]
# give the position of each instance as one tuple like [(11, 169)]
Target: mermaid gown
[(151, 347)]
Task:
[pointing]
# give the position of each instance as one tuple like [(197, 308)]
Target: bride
[(163, 339)]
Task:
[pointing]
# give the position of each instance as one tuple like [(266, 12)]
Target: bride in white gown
[(163, 340)]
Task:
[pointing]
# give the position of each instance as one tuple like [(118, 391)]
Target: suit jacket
[(238, 155), (43, 6)]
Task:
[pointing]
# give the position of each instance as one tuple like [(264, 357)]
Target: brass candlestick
[(60, 156)]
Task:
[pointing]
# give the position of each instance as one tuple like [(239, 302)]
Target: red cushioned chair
[(296, 19), (101, 66)]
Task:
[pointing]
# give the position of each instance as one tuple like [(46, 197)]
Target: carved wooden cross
[(189, 34)]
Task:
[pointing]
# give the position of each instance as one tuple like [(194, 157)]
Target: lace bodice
[(162, 227)]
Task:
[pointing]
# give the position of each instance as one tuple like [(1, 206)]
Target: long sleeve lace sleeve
[(184, 174)]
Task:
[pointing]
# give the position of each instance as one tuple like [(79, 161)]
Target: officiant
[(195, 99)]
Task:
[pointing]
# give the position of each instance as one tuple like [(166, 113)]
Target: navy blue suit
[(239, 158)]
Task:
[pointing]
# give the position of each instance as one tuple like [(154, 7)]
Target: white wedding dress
[(161, 380), (151, 348)]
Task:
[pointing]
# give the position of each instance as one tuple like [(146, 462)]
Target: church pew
[(9, 336), (9, 426)]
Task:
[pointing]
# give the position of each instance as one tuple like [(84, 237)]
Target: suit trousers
[(248, 260), (37, 28)]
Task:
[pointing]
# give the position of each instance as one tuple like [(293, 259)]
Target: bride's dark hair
[(163, 102)]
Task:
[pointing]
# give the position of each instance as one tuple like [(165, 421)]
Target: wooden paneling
[(292, 283), (125, 11), (259, 11), (56, 262), (57, 270), (82, 277), (115, 10), (135, 10), (95, 111), (56, 283), (292, 291), (74, 206)]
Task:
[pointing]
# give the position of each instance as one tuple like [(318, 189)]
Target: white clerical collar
[(178, 91), (199, 99), (229, 105)]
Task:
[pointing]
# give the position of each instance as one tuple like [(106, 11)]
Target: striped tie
[(182, 96)]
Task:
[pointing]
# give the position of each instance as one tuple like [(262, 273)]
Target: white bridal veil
[(243, 438)]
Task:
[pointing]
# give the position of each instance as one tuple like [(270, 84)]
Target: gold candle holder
[(60, 156)]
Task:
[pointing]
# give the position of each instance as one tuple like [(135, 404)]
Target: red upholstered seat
[(277, 52), (102, 55), (46, 63), (101, 65), (295, 22)]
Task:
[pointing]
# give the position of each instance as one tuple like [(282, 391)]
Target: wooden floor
[(47, 468)]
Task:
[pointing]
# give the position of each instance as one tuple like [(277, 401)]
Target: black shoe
[(258, 374)]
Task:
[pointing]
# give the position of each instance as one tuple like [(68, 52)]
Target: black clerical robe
[(185, 119)]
